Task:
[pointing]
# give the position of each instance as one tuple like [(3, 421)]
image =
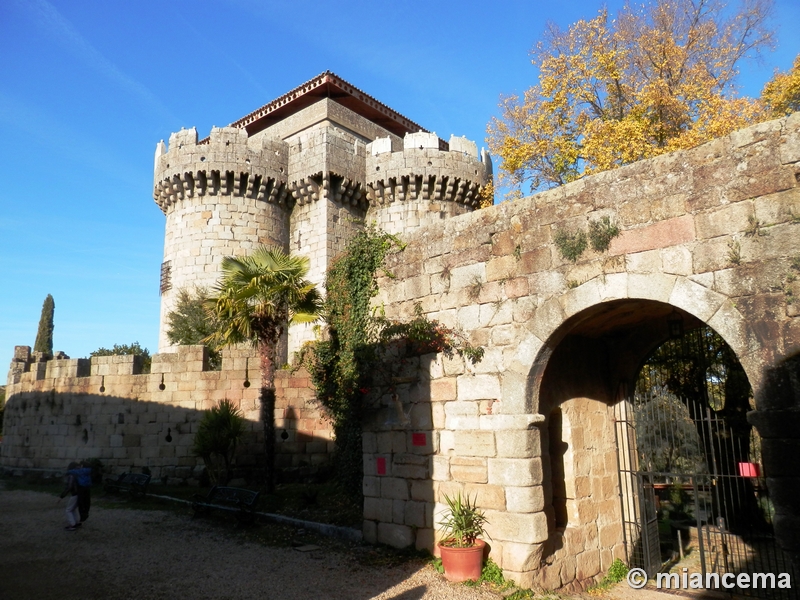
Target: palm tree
[(254, 300)]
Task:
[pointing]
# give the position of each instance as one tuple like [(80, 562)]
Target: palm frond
[(259, 293)]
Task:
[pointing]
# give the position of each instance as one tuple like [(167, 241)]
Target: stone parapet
[(227, 164), (59, 410), (421, 171)]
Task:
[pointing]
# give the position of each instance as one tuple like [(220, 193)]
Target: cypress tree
[(44, 337)]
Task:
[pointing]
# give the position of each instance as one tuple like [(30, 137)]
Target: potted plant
[(460, 548)]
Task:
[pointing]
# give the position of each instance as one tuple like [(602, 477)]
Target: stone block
[(440, 470), (398, 511), (397, 536), (648, 261), (524, 499), (695, 299), (457, 422), (442, 390), (474, 443), (521, 557), (447, 442), (652, 286), (394, 487), (501, 268), (671, 232), (486, 496), (410, 466), (515, 471), (519, 443), (587, 564), (378, 509), (529, 528), (725, 220), (418, 514), (421, 491), (371, 486), (478, 387), (473, 470), (426, 539), (503, 422)]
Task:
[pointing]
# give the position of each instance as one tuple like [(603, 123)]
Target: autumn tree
[(781, 95), (44, 335), (660, 77)]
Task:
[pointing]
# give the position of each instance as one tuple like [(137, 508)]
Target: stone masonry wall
[(713, 232), (63, 410)]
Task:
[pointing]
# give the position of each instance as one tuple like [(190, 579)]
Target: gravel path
[(123, 553)]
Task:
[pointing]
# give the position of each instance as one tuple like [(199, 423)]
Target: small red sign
[(418, 439), (381, 465), (748, 469)]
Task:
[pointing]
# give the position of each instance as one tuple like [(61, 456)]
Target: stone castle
[(709, 237), (303, 173)]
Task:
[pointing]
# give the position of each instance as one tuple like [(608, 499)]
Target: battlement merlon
[(229, 163), (422, 170)]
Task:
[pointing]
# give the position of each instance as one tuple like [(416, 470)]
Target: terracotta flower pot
[(461, 564)]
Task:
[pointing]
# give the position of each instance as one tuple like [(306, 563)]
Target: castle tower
[(423, 183), (303, 172), (222, 197)]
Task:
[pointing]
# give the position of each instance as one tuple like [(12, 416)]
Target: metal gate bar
[(690, 462)]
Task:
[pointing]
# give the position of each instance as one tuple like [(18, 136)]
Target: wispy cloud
[(58, 27)]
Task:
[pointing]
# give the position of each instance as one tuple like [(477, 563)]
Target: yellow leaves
[(782, 92), (656, 79)]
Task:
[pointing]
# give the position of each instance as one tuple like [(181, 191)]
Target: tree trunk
[(267, 400)]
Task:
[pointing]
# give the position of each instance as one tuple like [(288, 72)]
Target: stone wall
[(711, 235), (103, 407)]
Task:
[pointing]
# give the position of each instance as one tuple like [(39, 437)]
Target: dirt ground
[(124, 552)]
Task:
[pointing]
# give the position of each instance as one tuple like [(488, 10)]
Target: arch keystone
[(613, 286), (651, 286)]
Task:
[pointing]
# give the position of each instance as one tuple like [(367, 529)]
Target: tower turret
[(422, 183), (222, 197)]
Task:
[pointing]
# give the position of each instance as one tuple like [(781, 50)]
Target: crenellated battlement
[(227, 163), (422, 171), (303, 173)]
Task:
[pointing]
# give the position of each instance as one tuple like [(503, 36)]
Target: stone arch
[(582, 355), (560, 315)]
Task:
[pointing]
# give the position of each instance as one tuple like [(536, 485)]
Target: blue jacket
[(84, 475)]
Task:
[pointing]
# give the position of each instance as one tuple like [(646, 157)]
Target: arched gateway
[(709, 240)]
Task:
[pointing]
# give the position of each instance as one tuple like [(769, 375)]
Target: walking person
[(71, 490), (84, 475)]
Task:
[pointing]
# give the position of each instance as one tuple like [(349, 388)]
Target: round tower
[(222, 197), (422, 184)]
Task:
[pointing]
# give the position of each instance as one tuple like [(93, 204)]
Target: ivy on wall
[(351, 361)]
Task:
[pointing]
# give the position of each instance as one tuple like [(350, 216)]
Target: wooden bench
[(133, 483), (237, 500)]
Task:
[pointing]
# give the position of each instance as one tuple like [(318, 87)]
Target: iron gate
[(693, 494)]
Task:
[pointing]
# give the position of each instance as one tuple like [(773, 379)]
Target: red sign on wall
[(380, 464), (418, 439)]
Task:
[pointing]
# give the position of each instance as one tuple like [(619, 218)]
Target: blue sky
[(87, 89)]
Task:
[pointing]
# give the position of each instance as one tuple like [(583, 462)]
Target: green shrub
[(570, 244), (219, 433), (601, 233)]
